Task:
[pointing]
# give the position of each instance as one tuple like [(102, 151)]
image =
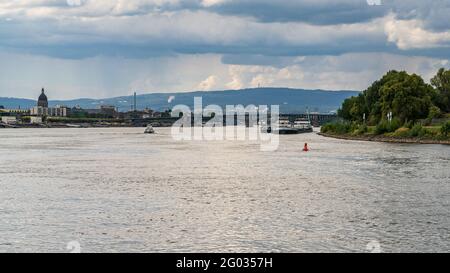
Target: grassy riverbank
[(389, 132), (387, 139)]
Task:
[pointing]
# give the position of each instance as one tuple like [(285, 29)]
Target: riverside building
[(42, 108)]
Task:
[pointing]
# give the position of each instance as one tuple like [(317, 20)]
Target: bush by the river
[(387, 127), (392, 129), (445, 129), (340, 128), (345, 128), (402, 132), (418, 131)]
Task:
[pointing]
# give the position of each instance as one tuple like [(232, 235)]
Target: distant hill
[(290, 100)]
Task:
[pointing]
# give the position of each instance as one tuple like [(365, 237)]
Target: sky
[(107, 48)]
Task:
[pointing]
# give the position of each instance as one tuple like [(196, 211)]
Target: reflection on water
[(120, 190)]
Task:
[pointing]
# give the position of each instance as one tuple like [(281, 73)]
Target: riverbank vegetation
[(399, 105)]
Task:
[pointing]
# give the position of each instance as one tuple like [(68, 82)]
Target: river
[(118, 190)]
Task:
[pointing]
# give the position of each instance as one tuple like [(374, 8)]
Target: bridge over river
[(316, 119)]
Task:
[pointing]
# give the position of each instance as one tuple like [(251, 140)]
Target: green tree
[(374, 94), (408, 97), (445, 129), (442, 84), (353, 108), (347, 106), (434, 112)]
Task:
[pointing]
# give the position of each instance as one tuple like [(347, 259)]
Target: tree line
[(401, 96)]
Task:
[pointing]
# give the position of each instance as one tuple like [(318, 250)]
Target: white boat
[(73, 125), (149, 130), (303, 125), (284, 127)]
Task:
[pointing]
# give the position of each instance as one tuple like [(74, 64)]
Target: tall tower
[(43, 101)]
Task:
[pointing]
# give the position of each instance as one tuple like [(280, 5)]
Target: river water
[(118, 190)]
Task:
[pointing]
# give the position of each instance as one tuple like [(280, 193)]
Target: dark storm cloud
[(320, 12), (141, 28), (434, 13)]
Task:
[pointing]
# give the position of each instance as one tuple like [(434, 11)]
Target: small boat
[(149, 130), (303, 126), (73, 125), (284, 127)]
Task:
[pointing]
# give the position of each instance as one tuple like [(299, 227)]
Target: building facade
[(9, 120), (58, 111), (43, 101), (42, 109), (15, 111)]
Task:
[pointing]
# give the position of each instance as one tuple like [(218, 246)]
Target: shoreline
[(69, 126), (386, 139), (65, 126)]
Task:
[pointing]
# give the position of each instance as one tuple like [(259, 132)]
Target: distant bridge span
[(316, 119)]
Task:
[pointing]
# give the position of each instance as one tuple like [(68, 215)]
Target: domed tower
[(43, 101)]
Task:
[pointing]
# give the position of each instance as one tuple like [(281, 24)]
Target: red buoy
[(306, 149)]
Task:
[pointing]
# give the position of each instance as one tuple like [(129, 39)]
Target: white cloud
[(235, 75), (105, 77), (103, 48), (210, 3), (374, 2), (145, 28), (208, 84), (411, 34)]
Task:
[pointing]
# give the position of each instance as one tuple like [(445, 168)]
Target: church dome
[(43, 101)]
